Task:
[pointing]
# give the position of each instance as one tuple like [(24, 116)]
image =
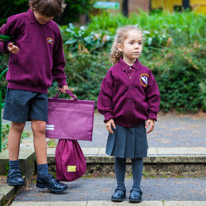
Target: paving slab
[(109, 203), (6, 193), (101, 189), (59, 203), (185, 203), (170, 131), (156, 151), (125, 203)]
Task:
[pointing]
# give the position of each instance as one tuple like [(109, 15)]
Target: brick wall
[(134, 5)]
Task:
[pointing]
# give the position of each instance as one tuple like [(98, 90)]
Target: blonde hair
[(121, 35)]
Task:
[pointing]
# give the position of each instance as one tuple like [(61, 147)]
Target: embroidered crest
[(50, 40), (144, 79)]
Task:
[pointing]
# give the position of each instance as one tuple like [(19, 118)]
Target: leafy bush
[(72, 12), (183, 27), (174, 50), (80, 39), (180, 78), (4, 135), (85, 73)]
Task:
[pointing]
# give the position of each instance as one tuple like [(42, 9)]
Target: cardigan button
[(129, 100), (130, 87)]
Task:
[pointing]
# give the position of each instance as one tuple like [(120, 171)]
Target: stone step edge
[(155, 155), (110, 203), (153, 151)]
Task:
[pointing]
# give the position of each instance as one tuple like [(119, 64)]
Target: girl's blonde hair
[(121, 35)]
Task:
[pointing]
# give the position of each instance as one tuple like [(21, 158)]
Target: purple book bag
[(70, 160)]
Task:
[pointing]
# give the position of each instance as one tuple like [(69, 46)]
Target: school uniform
[(130, 96), (40, 60)]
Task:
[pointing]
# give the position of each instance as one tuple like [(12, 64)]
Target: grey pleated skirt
[(127, 142)]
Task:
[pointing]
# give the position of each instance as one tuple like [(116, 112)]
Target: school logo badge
[(144, 79), (50, 40)]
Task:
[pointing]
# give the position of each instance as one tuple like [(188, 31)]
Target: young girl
[(129, 96)]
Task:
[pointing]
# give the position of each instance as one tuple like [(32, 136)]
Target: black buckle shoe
[(119, 195), (48, 181), (135, 196), (15, 178)]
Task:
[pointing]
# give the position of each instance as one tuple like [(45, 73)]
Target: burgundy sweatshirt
[(130, 98), (40, 59)]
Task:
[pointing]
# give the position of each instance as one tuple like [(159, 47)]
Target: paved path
[(109, 203), (170, 131), (180, 132), (101, 189)]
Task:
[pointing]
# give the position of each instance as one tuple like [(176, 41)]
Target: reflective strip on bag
[(49, 127)]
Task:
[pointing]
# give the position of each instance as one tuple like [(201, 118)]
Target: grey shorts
[(21, 106)]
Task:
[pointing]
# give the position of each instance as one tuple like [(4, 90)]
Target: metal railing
[(1, 106)]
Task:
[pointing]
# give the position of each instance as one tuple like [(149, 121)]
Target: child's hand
[(110, 123), (151, 124), (13, 49), (64, 89)]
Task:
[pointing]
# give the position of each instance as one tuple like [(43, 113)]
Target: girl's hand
[(110, 123), (64, 89), (13, 49), (151, 124)]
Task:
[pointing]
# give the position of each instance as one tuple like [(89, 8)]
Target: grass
[(4, 135)]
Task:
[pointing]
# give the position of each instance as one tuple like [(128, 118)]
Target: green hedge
[(174, 49), (72, 12), (181, 77)]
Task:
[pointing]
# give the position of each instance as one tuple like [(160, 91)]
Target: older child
[(129, 96), (35, 60)]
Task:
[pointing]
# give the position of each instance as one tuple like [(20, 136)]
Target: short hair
[(48, 8)]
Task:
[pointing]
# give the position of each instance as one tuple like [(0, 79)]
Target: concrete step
[(109, 203), (160, 161)]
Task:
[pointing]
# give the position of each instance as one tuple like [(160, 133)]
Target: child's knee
[(19, 127), (38, 126)]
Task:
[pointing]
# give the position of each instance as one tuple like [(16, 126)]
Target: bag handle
[(68, 92)]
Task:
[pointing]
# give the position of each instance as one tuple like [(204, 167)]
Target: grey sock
[(137, 167), (120, 167)]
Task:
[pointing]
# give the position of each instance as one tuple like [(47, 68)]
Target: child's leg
[(120, 192), (40, 145), (120, 167), (137, 168), (14, 177), (136, 193), (44, 179), (14, 137)]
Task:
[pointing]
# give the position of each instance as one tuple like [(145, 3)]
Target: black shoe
[(119, 195), (48, 181), (135, 196), (14, 178)]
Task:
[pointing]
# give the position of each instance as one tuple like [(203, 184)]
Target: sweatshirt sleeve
[(59, 62), (104, 102), (11, 28), (153, 98)]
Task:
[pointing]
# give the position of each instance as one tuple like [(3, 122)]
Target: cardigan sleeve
[(11, 28), (104, 102), (153, 98)]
